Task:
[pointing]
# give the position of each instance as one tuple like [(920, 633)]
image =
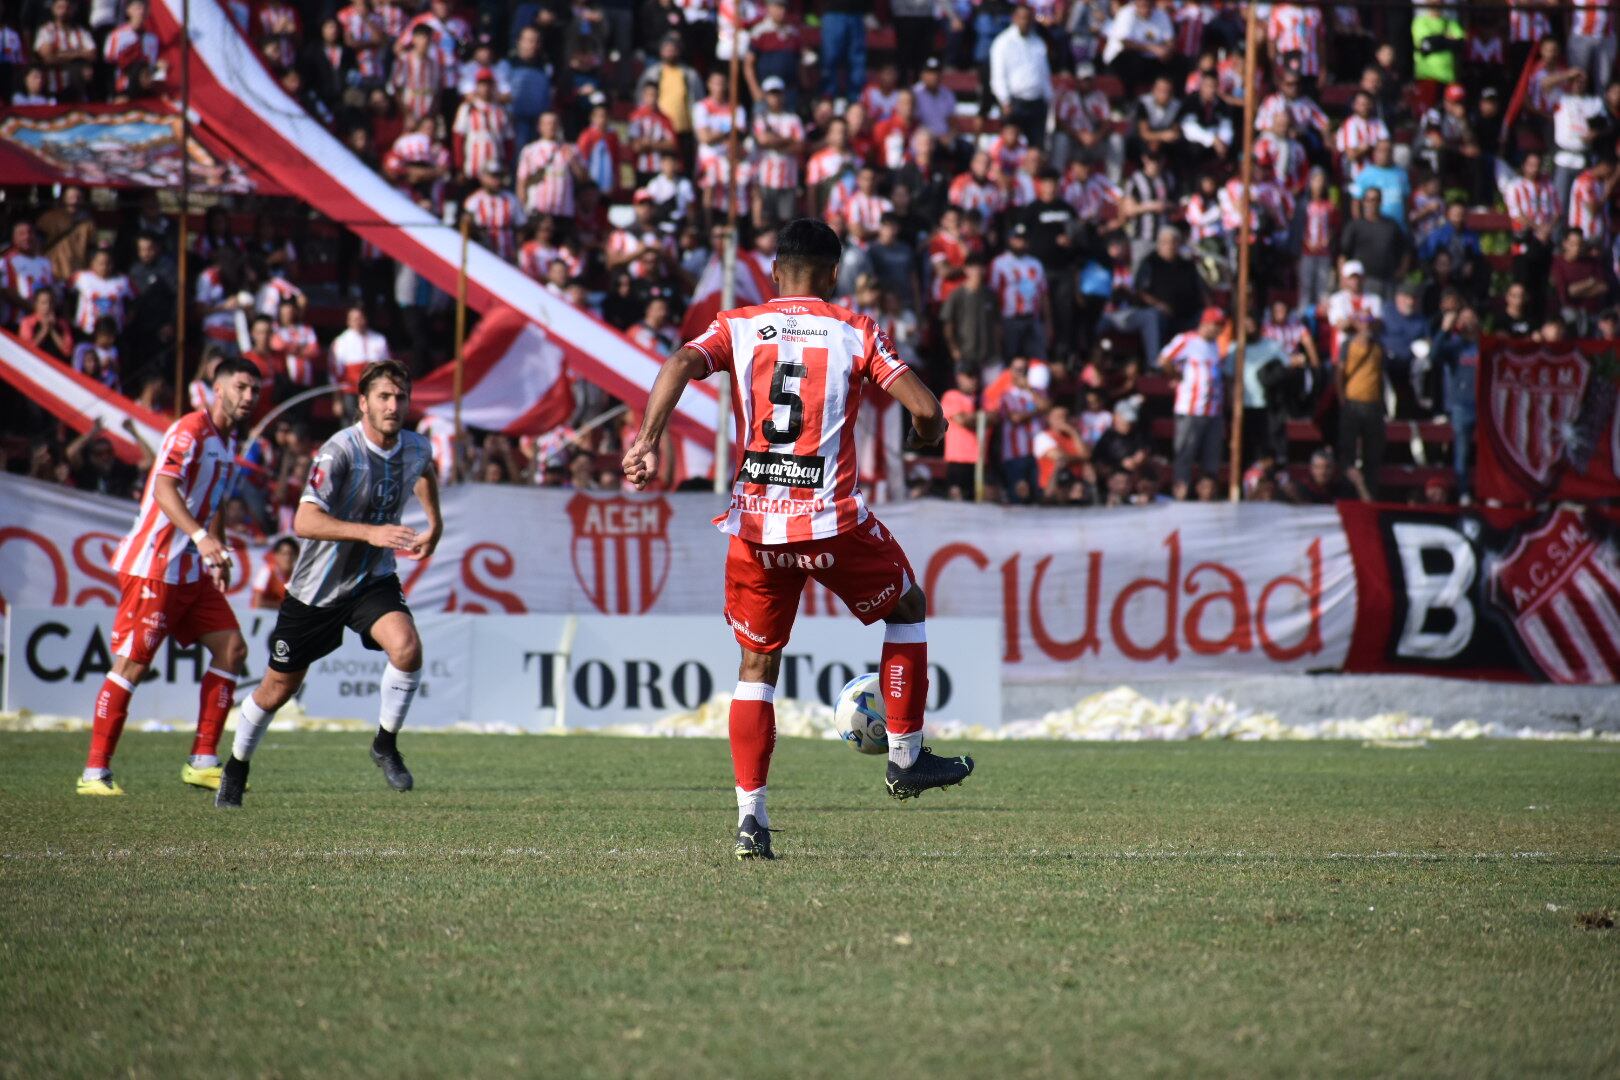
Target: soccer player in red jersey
[(171, 569), (799, 364)]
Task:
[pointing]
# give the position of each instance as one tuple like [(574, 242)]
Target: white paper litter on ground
[(1121, 714)]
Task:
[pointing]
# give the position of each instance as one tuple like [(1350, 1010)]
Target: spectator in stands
[(1512, 316), (1140, 43), (970, 320), (67, 50), (1437, 38), (1021, 75), (129, 44), (1020, 411), (1169, 281), (1375, 243), (1361, 401), (843, 47), (98, 358), (357, 346), (1122, 449), (1580, 286), (961, 407), (528, 75), (102, 292), (45, 329), (1019, 280), (1323, 483), (96, 467), (271, 577), (1147, 202), (1404, 324), (1194, 361), (1592, 40), (1455, 355), (24, 270), (1573, 132)]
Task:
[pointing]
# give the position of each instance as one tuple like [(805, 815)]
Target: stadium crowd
[(1040, 203)]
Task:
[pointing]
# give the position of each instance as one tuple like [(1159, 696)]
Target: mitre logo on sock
[(897, 680)]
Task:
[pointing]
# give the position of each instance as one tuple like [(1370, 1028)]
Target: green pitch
[(569, 907)]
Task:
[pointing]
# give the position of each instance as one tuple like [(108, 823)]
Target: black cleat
[(928, 771), (753, 840), (393, 766), (232, 782)]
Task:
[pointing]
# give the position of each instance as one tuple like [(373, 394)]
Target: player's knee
[(232, 655), (912, 608), (406, 654), (131, 670)]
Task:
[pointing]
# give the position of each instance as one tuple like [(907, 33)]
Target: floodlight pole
[(1234, 472)]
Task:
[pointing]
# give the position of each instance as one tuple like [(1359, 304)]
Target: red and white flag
[(754, 286), (515, 379), (78, 400)]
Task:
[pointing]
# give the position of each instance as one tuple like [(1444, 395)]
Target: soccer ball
[(860, 716)]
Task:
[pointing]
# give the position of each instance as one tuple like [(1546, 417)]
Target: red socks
[(213, 705), (112, 709), (753, 733), (904, 676)]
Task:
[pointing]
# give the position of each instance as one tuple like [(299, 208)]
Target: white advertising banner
[(1130, 593), (513, 670)]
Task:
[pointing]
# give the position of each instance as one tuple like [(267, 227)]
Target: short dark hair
[(392, 370), (285, 541), (808, 241), (235, 365)]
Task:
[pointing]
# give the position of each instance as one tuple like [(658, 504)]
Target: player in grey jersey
[(349, 518)]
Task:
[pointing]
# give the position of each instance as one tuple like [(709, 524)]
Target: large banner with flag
[(1082, 595), (240, 105), (78, 401), (1547, 424)]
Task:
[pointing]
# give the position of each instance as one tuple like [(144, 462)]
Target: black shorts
[(305, 634)]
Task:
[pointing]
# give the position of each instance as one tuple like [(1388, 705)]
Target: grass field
[(568, 907)]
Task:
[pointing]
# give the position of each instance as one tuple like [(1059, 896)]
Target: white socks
[(97, 774), (250, 728), (398, 688), (752, 802), (903, 749), (204, 761)]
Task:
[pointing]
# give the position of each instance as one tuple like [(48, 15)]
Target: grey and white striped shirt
[(354, 480)]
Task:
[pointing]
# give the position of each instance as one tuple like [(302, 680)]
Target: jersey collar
[(798, 300), (374, 448)]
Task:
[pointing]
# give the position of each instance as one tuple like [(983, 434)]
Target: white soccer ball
[(860, 715)]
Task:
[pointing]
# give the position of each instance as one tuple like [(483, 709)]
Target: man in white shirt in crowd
[(1021, 75), (1572, 133), (352, 350)]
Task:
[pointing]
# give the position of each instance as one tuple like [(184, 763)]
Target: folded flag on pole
[(515, 379), (754, 286), (78, 400)]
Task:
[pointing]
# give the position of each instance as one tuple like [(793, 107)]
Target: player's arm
[(427, 493), (313, 523), (927, 418), (210, 541), (684, 365)]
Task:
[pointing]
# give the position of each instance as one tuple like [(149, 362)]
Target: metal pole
[(185, 209), (981, 429), (728, 271), (461, 318), (1241, 306)]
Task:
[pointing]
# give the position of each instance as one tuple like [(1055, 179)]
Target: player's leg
[(139, 627), (396, 634), (762, 598), (227, 653)]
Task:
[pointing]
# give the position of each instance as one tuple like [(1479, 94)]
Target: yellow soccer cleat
[(203, 778), (103, 785)]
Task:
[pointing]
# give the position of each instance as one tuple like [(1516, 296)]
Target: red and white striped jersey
[(1077, 111), (945, 252), (125, 46), (1530, 202), (660, 341), (448, 37), (1589, 18), (1321, 227), (630, 243), (100, 297), (862, 212), (1095, 198), (798, 364), (779, 170), (416, 81), (1007, 154), (1589, 208), (879, 103), (1020, 282), (1527, 21), (827, 163), (1198, 367), (536, 257), (499, 216), (280, 22), (647, 124), (203, 460), (301, 350), (486, 132), (1190, 20), (441, 436), (1203, 217), (714, 179), (24, 275), (1304, 112), (1359, 133), (415, 148), (968, 192), (710, 118), (1285, 158), (1538, 96), (1017, 189), (367, 33), (1231, 200), (549, 163), (1287, 335), (1297, 29), (892, 142), (1020, 422), (59, 40), (273, 292)]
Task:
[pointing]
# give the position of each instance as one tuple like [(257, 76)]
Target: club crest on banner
[(1561, 586), (1535, 405), (620, 550)]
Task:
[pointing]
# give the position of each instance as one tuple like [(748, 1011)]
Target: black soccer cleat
[(232, 783), (928, 771), (393, 766), (753, 840)]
